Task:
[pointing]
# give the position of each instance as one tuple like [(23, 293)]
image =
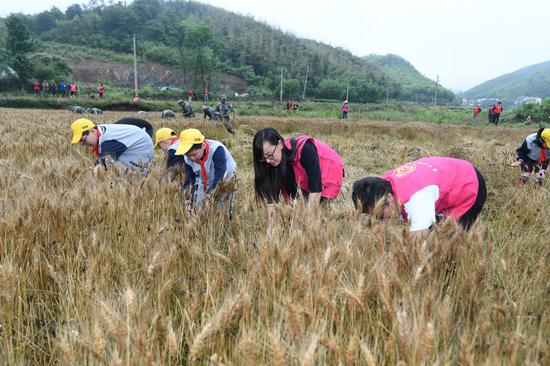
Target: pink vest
[(345, 107), (332, 168), (456, 179)]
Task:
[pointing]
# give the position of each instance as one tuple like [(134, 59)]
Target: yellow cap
[(80, 126), (162, 134), (188, 138), (546, 136)]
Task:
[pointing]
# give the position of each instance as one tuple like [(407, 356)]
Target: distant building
[(527, 100), (482, 102)]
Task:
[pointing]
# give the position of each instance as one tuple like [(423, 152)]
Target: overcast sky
[(464, 42)]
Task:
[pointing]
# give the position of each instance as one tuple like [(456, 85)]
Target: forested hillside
[(413, 85), (532, 80), (203, 40)]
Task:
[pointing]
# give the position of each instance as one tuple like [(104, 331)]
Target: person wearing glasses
[(115, 144), (282, 166), (421, 190), (207, 163)]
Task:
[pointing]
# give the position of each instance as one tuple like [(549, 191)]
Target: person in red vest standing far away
[(101, 90), (282, 166), (423, 189), (477, 110), (206, 95), (36, 87), (345, 109), (189, 95), (496, 112)]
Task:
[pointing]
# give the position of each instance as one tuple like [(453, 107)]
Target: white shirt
[(420, 208)]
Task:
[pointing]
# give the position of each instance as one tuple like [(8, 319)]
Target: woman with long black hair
[(281, 166)]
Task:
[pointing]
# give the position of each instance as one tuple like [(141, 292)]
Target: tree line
[(203, 40)]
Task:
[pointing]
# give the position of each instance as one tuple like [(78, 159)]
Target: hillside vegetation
[(413, 86), (202, 39), (532, 80)]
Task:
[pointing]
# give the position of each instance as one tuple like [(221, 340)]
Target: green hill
[(201, 40), (532, 80), (413, 86)]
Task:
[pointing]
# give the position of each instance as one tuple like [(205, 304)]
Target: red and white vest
[(456, 179), (332, 168)]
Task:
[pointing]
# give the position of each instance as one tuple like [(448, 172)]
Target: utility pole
[(436, 86), (281, 92), (135, 67), (387, 95), (347, 92), (305, 83)]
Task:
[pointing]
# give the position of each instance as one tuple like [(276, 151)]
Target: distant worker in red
[(206, 95), (345, 109), (190, 95), (496, 112), (289, 106), (36, 87), (73, 89), (477, 111), (490, 112), (101, 90)]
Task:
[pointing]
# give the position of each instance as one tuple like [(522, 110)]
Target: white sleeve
[(420, 208)]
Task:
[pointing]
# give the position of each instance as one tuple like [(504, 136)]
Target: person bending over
[(534, 155), (115, 144), (422, 189), (282, 166)]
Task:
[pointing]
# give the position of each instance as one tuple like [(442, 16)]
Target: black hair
[(194, 147), (368, 191), (269, 180)]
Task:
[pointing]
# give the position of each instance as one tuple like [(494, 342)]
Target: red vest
[(497, 108), (332, 168), (456, 179)]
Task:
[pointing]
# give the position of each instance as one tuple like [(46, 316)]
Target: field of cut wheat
[(115, 271)]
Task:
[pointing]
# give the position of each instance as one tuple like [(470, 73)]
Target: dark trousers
[(496, 117), (470, 216), (344, 115)]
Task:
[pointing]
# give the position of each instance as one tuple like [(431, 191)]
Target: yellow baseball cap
[(162, 134), (546, 136), (80, 126), (188, 138)]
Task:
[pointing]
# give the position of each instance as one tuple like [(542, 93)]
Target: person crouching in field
[(534, 154), (207, 163), (115, 144), (168, 142), (281, 166), (422, 189)]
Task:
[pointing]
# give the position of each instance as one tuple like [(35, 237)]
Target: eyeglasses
[(269, 156)]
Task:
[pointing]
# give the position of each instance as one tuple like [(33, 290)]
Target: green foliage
[(410, 84), (203, 59), (538, 113), (331, 89), (532, 80), (196, 37), (19, 42), (161, 54), (49, 67)]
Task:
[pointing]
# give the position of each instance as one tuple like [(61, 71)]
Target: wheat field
[(112, 271)]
